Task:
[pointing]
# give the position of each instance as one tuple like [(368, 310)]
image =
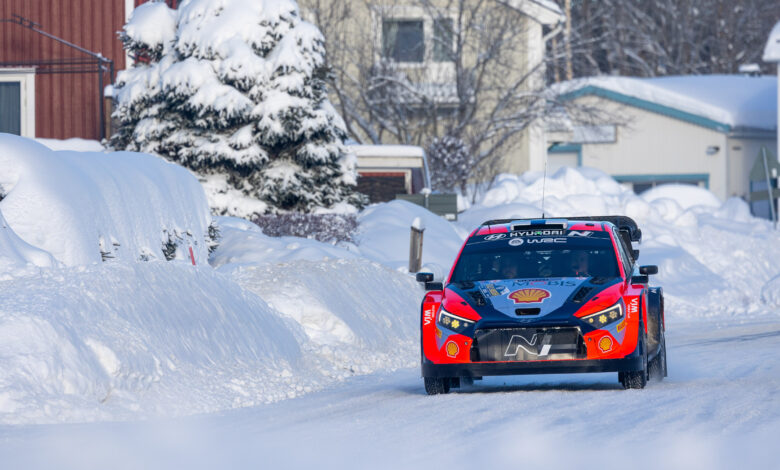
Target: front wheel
[(436, 385), (636, 378)]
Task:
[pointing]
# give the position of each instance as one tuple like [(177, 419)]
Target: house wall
[(743, 153), (66, 105), (652, 144), (353, 30)]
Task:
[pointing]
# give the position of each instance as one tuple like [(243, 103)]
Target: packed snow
[(278, 341), (734, 100)]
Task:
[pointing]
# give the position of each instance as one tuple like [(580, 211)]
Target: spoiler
[(626, 225)]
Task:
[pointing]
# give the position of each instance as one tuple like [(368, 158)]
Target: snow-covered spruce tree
[(236, 88), (451, 163)]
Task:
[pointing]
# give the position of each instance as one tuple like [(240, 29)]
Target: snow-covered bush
[(330, 228), (451, 163), (237, 88)]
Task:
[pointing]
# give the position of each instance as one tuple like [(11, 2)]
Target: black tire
[(636, 379), (657, 367), (436, 385)]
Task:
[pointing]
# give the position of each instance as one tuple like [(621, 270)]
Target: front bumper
[(575, 366)]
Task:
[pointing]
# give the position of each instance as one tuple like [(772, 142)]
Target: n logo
[(580, 233), (531, 347)]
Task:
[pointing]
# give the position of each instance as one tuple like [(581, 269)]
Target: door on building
[(11, 107)]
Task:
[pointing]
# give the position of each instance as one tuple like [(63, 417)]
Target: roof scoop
[(538, 224)]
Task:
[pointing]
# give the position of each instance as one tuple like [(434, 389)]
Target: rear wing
[(627, 227)]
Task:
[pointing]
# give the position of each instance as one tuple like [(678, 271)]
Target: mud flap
[(655, 305)]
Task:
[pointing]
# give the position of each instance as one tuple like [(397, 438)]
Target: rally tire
[(437, 385)]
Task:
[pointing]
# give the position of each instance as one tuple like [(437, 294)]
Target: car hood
[(519, 299)]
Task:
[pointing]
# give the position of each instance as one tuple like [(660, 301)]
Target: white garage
[(702, 130)]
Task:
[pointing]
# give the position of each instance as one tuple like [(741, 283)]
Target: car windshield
[(491, 261)]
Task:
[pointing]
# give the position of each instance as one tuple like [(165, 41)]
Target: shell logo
[(452, 349), (529, 296), (605, 344)]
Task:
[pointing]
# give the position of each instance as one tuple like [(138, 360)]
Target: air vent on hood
[(479, 299), (527, 311), (581, 294)]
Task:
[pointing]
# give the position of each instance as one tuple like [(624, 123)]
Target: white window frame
[(26, 79), (438, 71)]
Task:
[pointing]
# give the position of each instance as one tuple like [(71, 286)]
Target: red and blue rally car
[(544, 296)]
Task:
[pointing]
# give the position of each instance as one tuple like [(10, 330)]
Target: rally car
[(544, 296)]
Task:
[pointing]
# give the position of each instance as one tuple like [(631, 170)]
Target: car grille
[(527, 344)]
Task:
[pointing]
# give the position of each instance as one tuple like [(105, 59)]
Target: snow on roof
[(387, 151), (772, 48), (723, 101)]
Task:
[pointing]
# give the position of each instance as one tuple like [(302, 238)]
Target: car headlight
[(453, 322), (605, 317)]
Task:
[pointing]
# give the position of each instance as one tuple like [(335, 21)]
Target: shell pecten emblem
[(529, 296)]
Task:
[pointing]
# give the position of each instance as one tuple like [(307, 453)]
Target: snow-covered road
[(717, 409)]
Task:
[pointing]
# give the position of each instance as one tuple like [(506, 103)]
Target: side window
[(622, 251)]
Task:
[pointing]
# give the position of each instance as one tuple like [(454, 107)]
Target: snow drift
[(83, 207)]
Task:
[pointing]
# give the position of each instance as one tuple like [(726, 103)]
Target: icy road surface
[(719, 408)]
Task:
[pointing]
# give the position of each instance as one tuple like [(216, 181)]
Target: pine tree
[(237, 88)]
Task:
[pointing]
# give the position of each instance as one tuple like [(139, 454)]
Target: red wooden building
[(55, 59)]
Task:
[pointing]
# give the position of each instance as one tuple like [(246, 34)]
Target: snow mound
[(243, 242), (15, 252), (76, 144), (138, 339), (83, 207), (383, 236), (685, 195)]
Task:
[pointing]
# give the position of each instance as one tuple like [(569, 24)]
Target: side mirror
[(434, 286), (640, 280), (635, 254), (648, 269), (424, 277)]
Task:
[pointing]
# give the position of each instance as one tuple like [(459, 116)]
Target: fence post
[(416, 245)]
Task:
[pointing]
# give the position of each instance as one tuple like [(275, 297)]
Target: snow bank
[(358, 316), (15, 252), (242, 242), (120, 341), (75, 144), (684, 195), (383, 235), (77, 205)]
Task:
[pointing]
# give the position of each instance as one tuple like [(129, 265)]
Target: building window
[(11, 108), (443, 39), (403, 40), (17, 101)]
